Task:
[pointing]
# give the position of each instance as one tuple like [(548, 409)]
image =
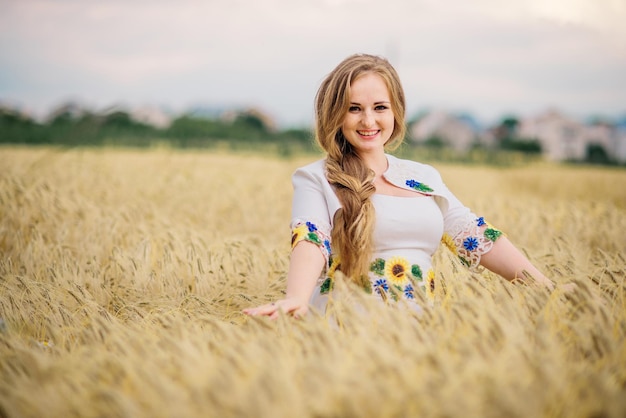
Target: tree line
[(118, 128)]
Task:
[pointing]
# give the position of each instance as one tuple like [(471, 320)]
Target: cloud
[(482, 56)]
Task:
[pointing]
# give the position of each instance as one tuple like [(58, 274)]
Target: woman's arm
[(507, 261), (305, 266)]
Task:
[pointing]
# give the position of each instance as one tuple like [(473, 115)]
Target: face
[(369, 122)]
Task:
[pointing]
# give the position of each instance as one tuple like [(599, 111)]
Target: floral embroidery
[(470, 239), (334, 265), (447, 240), (396, 269), (378, 267), (329, 279), (416, 185), (327, 246), (326, 286), (297, 235), (380, 286), (409, 292), (308, 231), (492, 234), (470, 243), (395, 278), (416, 271)]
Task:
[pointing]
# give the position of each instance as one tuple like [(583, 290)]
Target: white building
[(619, 143), (452, 130), (561, 138)]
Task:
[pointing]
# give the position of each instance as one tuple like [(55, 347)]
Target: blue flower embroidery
[(311, 226), (470, 243), (480, 221), (408, 291), (381, 286), (327, 245), (416, 185)]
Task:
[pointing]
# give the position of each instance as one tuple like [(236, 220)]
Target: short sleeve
[(466, 235), (310, 214)]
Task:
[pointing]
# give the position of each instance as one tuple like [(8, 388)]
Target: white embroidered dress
[(407, 231)]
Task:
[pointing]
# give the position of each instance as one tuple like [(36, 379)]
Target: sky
[(489, 58)]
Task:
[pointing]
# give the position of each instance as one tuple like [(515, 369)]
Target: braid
[(353, 223)]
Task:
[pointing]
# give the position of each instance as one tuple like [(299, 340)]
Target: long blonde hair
[(353, 181)]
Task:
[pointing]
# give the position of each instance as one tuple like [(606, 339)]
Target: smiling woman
[(372, 217), (369, 123)]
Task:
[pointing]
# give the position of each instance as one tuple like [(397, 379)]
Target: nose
[(368, 119)]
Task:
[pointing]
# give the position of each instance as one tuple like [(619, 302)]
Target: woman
[(374, 217)]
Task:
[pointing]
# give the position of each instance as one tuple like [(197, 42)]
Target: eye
[(381, 107), (354, 109)]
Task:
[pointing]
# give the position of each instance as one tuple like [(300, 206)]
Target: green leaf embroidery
[(416, 271), (313, 238), (492, 234), (326, 286), (416, 185), (378, 267)]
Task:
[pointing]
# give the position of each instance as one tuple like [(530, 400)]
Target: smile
[(368, 133)]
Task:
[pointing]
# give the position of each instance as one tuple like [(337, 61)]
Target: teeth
[(367, 133)]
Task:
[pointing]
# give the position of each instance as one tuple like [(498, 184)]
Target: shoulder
[(314, 172), (409, 169), (316, 167)]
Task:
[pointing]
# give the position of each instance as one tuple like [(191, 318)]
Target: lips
[(368, 133)]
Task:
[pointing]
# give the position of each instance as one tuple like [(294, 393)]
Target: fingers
[(275, 309), (263, 310)]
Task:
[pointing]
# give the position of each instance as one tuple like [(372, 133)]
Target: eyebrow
[(376, 103)]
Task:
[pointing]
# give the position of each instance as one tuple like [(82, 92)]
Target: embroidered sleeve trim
[(470, 239), (309, 231)]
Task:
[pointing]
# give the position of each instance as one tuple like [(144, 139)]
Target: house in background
[(619, 141), (563, 138), (459, 132)]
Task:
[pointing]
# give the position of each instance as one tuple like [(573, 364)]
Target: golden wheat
[(123, 275)]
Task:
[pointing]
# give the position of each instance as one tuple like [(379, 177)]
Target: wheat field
[(123, 274)]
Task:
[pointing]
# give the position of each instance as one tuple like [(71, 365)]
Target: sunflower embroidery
[(308, 232), (396, 269), (298, 234), (447, 240), (416, 185), (329, 281), (334, 265)]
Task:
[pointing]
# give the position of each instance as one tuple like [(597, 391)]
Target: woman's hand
[(290, 306)]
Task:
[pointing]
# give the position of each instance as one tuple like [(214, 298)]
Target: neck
[(376, 162)]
